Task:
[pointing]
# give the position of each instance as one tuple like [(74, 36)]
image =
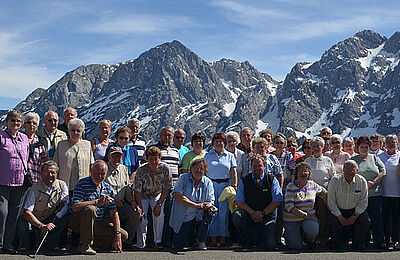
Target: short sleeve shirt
[(219, 167), (149, 184)]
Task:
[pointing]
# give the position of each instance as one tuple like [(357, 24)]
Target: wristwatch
[(117, 231)]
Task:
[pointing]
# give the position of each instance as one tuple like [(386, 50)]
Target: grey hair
[(165, 128), (180, 131), (234, 135), (73, 109), (49, 163), (348, 140), (391, 136), (105, 121), (98, 164), (246, 129), (48, 112), (76, 122), (337, 137), (350, 162), (317, 139), (31, 115)]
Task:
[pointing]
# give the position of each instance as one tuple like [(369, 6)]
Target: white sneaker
[(202, 246)]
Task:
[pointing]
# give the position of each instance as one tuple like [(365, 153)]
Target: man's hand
[(117, 243), (157, 210), (343, 221), (105, 199), (204, 205), (370, 184), (256, 216), (351, 220), (48, 227)]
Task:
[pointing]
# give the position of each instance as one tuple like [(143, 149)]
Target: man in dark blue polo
[(258, 196)]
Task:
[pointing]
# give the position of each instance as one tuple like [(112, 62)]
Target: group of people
[(261, 192)]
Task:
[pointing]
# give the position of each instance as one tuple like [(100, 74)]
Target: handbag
[(28, 181)]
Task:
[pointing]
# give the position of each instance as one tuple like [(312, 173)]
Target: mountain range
[(353, 88)]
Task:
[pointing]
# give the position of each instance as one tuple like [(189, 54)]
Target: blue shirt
[(276, 191), (219, 167), (182, 151), (85, 190), (185, 185)]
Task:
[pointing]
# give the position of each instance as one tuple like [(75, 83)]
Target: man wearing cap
[(94, 213), (118, 178)]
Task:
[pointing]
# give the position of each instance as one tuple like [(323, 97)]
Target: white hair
[(318, 139), (234, 135), (31, 115), (76, 122), (337, 137)]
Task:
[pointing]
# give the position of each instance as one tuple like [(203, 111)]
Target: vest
[(45, 204), (258, 198)]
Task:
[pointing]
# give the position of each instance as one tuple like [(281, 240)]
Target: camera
[(212, 210)]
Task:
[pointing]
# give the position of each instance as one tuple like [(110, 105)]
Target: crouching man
[(258, 196), (94, 213), (348, 201), (45, 207), (118, 178)]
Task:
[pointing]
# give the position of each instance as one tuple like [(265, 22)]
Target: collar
[(201, 181), (344, 179), (261, 177), (17, 137)]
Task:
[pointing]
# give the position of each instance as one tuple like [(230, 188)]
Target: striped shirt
[(302, 199), (170, 156), (86, 190), (287, 164), (140, 147)]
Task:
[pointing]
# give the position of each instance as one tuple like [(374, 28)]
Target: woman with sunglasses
[(74, 155), (338, 156), (14, 152), (306, 149), (130, 157)]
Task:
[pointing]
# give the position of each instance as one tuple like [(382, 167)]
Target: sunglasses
[(31, 123), (123, 138), (15, 120), (180, 137), (279, 142), (75, 130), (52, 120), (307, 147)]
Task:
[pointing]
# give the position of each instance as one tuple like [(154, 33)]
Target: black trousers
[(359, 229)]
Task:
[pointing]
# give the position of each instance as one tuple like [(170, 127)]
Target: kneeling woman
[(299, 214), (193, 199)]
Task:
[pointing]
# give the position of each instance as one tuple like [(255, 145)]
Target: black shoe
[(10, 251)]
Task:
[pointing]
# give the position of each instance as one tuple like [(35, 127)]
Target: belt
[(220, 180)]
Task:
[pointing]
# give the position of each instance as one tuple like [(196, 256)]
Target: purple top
[(11, 169)]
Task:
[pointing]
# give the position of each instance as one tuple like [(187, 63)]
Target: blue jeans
[(252, 233), (375, 213), (201, 227), (306, 230)]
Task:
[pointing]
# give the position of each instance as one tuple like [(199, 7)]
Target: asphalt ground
[(219, 254)]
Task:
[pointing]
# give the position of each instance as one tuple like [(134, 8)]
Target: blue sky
[(42, 40)]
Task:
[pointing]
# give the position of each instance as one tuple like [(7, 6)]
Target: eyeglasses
[(336, 142), (15, 120), (75, 130), (291, 145), (180, 137), (52, 120), (123, 138), (31, 122), (307, 147)]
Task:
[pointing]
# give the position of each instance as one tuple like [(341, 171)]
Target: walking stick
[(44, 238)]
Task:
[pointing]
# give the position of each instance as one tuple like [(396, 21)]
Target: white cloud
[(138, 24), (19, 80)]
